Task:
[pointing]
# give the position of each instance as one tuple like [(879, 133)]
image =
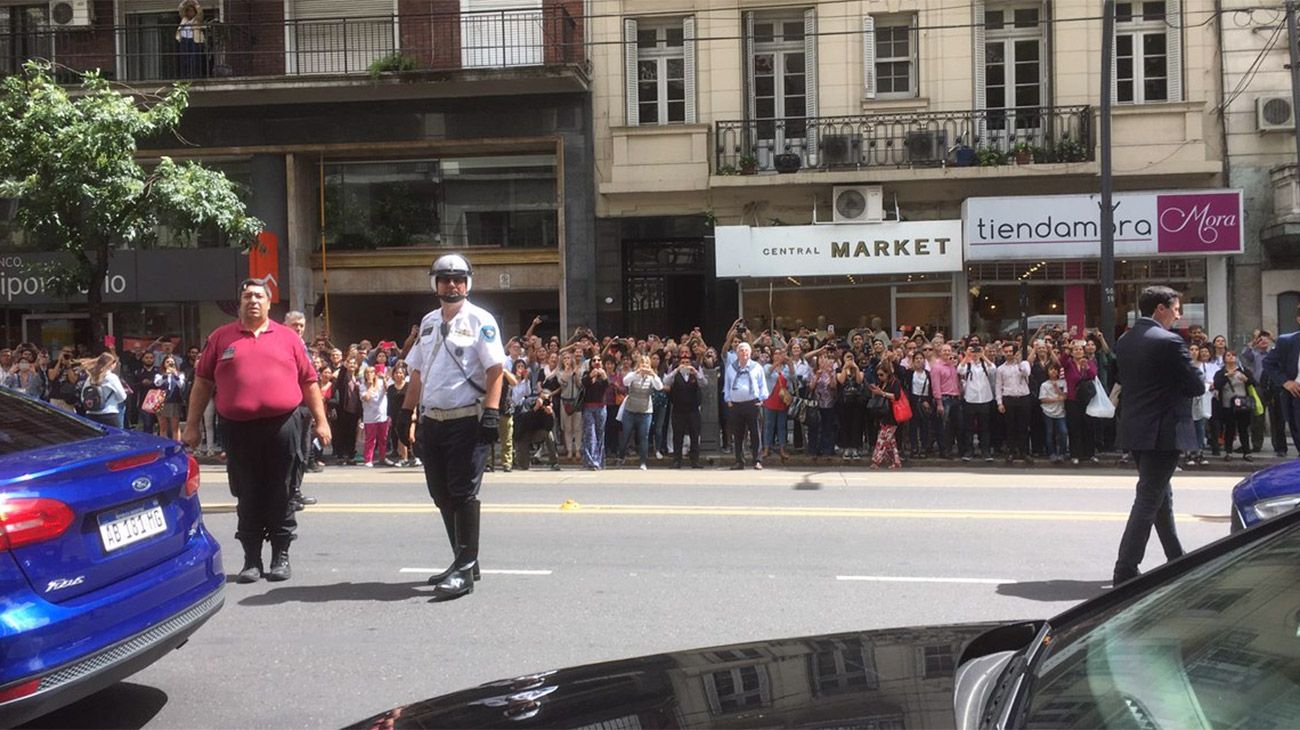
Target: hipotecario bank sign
[(26, 278)]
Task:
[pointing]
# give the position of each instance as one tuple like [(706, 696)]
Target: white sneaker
[(416, 462), (659, 455), (369, 464), (643, 467)]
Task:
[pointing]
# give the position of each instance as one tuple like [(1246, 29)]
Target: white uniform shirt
[(473, 339), (979, 382)]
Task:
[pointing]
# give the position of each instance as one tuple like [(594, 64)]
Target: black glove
[(487, 426)]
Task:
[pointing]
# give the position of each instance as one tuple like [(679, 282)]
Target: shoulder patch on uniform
[(426, 331), (489, 332)]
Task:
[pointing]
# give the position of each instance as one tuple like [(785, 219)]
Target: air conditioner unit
[(930, 146), (841, 150), (72, 13), (1274, 113), (859, 203)]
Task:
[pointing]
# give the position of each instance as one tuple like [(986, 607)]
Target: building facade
[(369, 136), (1259, 136), (820, 118)]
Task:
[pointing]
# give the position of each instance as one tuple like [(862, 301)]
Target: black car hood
[(887, 678)]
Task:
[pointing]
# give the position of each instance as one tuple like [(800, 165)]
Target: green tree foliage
[(69, 157)]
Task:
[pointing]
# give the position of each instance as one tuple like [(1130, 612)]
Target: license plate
[(119, 530)]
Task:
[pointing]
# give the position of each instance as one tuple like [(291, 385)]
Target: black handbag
[(1242, 405), (878, 405), (1085, 391)]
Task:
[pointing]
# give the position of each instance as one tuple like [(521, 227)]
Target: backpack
[(92, 397)]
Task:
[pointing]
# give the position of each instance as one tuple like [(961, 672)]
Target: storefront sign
[(26, 278), (829, 250), (1195, 223)]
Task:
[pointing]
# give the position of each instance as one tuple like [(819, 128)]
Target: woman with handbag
[(1200, 413), (141, 384), (920, 392), (1232, 387), (888, 389), (779, 376), (1081, 384), (1214, 422), (171, 381), (570, 413)]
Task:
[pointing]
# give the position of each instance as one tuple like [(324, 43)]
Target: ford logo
[(141, 484)]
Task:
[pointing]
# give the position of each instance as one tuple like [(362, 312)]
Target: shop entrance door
[(65, 329), (664, 287)]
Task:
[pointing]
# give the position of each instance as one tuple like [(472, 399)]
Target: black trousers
[(454, 460), (344, 437), (983, 414), (686, 422), (1153, 505), (1017, 420), (1082, 445), (261, 463), (1236, 425), (742, 418)]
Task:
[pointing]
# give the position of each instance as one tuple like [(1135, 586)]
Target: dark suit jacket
[(1158, 382), (1280, 362)]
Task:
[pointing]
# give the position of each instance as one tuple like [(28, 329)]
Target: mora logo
[(1199, 223)]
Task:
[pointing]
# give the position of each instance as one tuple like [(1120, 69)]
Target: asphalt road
[(583, 566)]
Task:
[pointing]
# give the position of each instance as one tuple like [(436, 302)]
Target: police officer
[(456, 371), (261, 374)]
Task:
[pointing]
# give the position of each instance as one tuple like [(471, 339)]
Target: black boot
[(280, 569), (300, 499), (252, 570), (449, 521), (461, 580)]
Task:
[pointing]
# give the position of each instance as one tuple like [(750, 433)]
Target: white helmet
[(452, 264)]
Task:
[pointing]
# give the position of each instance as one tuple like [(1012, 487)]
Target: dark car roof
[(892, 677)]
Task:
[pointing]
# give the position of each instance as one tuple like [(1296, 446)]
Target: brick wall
[(563, 31), (86, 49), (445, 31), (256, 37), (416, 30)]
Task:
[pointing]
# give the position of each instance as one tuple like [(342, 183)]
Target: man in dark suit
[(1282, 370), (1158, 383)]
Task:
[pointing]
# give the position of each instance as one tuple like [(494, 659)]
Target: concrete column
[(960, 305), (303, 222), (1216, 298)]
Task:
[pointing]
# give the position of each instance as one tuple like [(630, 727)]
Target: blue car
[(105, 565), (1264, 494)]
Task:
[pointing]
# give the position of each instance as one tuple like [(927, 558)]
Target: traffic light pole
[(1107, 207)]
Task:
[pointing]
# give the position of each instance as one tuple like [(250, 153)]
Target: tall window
[(1146, 52), (1014, 68), (24, 34), (661, 72), (889, 43)]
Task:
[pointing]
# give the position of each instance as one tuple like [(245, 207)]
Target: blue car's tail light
[(22, 689), (24, 521), (192, 478)]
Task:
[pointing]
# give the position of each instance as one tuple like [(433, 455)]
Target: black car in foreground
[(1209, 641)]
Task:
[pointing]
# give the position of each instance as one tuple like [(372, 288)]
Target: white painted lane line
[(912, 579), (431, 571)]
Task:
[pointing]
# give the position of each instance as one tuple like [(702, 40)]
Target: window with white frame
[(1148, 52), (661, 72), (660, 58), (889, 43)]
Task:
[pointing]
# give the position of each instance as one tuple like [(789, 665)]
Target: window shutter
[(1114, 70), (1048, 69), (810, 80), (1174, 47), (632, 75), (747, 49), (869, 57), (688, 49)]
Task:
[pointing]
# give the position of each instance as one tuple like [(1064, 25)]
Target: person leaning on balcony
[(191, 42)]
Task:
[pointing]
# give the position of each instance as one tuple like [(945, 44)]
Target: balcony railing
[(929, 139), (549, 36)]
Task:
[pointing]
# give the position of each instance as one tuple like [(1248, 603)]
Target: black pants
[(742, 418), (1018, 408), (1076, 421), (852, 415), (1276, 399), (981, 413), (344, 437), (1153, 505), (454, 460), (261, 462), (686, 422), (1234, 425)]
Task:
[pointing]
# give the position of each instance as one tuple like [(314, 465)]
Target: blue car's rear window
[(27, 424)]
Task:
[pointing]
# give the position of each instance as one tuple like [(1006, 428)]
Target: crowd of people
[(593, 401)]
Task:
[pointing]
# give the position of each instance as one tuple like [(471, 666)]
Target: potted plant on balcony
[(392, 63), (1070, 149), (748, 164), (787, 162), (1023, 153), (988, 156)]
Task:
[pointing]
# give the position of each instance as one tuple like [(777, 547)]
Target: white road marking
[(912, 579), (431, 571)]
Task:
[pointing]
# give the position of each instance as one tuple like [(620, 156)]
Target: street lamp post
[(1107, 208)]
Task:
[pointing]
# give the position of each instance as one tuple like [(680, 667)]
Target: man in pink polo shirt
[(947, 396), (260, 372)]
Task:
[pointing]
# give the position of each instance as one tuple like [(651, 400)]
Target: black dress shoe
[(303, 499), (444, 575)]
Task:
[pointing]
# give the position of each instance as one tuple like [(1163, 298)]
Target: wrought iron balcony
[(929, 139), (139, 51)]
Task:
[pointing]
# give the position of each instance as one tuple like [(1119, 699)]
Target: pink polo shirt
[(257, 376), (943, 377)]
